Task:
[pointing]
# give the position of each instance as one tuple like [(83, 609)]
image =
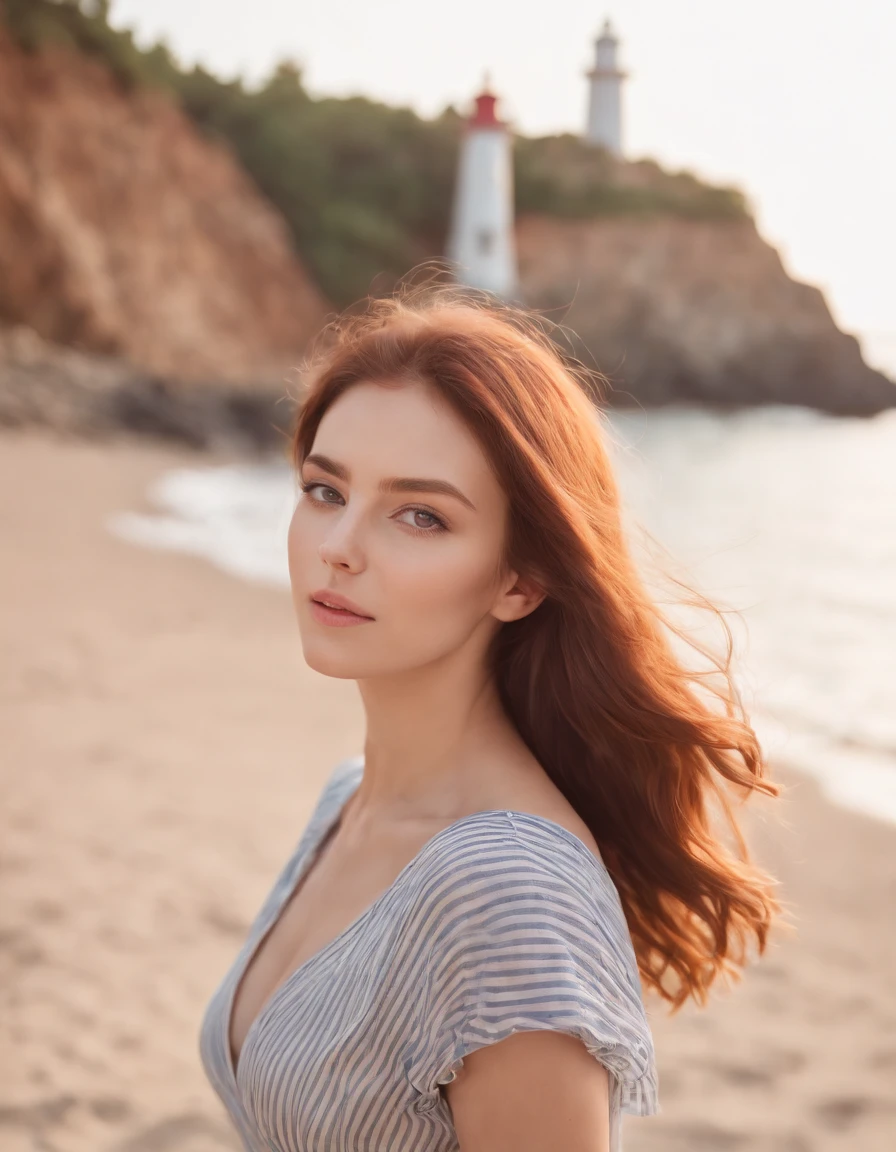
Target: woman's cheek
[(444, 592)]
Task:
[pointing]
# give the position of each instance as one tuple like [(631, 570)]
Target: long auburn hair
[(590, 677)]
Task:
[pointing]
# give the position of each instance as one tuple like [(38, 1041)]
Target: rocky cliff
[(696, 310), (123, 231), (93, 396)]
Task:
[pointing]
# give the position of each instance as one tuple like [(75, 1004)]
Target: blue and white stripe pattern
[(503, 922)]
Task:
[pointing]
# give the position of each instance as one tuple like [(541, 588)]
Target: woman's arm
[(533, 1092)]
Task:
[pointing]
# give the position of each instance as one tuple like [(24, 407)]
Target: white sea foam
[(236, 517)]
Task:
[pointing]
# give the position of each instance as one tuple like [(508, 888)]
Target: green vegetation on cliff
[(365, 188)]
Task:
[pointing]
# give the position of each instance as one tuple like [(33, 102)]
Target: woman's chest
[(334, 892), (333, 1066), (333, 1059)]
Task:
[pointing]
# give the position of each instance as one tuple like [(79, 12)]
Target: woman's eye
[(432, 524), (317, 484)]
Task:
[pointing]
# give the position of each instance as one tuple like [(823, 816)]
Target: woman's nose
[(341, 547)]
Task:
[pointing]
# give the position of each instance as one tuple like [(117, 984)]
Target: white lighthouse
[(480, 242), (605, 94)]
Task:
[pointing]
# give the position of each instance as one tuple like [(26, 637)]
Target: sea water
[(783, 517)]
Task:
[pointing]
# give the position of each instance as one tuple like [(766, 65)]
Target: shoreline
[(158, 714)]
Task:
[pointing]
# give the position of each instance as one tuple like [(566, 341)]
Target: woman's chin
[(339, 665)]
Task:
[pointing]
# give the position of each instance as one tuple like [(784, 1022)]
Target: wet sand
[(163, 744)]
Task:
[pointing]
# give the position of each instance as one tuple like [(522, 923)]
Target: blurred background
[(702, 195)]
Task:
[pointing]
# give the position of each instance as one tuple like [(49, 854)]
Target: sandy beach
[(163, 742)]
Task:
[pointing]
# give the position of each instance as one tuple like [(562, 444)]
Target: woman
[(454, 955)]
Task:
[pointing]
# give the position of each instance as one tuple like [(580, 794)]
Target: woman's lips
[(336, 617)]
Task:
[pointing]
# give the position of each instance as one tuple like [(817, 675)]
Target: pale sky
[(794, 101)]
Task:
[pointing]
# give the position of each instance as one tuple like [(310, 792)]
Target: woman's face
[(423, 564)]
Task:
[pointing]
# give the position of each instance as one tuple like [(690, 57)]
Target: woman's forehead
[(410, 421)]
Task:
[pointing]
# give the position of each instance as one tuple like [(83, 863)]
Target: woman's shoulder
[(493, 870), (526, 930), (524, 840), (497, 867)]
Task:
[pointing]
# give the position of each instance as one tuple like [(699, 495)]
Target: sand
[(162, 744)]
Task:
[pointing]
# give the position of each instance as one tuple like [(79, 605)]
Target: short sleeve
[(520, 946)]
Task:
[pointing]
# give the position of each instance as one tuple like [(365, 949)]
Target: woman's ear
[(522, 596)]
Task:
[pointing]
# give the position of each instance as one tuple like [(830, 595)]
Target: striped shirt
[(503, 922)]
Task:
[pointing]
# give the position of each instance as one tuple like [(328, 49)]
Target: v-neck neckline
[(306, 864)]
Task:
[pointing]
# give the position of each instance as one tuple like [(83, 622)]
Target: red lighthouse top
[(485, 115)]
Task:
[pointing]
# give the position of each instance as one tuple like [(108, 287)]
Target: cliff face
[(676, 309), (123, 231)]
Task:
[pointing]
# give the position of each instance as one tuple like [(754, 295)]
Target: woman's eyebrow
[(394, 483)]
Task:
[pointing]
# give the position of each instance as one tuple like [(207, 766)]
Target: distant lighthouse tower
[(481, 241), (605, 94)]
